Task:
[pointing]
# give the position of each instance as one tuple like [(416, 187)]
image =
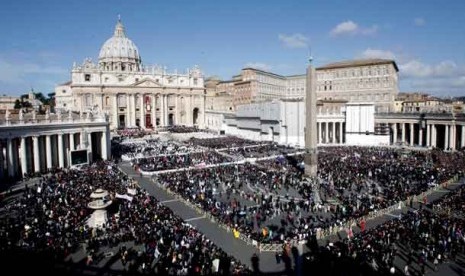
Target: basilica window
[(87, 77)]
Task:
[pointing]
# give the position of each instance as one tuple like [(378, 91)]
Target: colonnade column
[(462, 137), (446, 139), (327, 133), (71, 141), (10, 161), (428, 135), (452, 137), (48, 149), (141, 110), (35, 145), (394, 133), (333, 140), (420, 136), (433, 135), (403, 133), (89, 141), (2, 161), (23, 156), (341, 134), (61, 160), (412, 137), (320, 135)]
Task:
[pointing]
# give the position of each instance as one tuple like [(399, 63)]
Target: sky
[(40, 39)]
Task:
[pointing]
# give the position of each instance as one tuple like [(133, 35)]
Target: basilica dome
[(119, 53)]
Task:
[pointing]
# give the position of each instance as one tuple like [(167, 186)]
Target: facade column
[(35, 144), (420, 136), (48, 151), (133, 110), (114, 110), (24, 169), (334, 133), (403, 133), (462, 137), (203, 115), (177, 116), (128, 111), (446, 134), (412, 137), (320, 136), (189, 118), (394, 133), (153, 109), (104, 145), (166, 110), (142, 111), (162, 109), (61, 161)]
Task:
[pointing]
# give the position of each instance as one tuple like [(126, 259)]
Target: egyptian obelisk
[(310, 160)]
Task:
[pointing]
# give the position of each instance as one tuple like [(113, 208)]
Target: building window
[(87, 77), (63, 91), (137, 79), (195, 81)]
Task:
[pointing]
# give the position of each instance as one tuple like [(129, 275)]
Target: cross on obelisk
[(311, 158)]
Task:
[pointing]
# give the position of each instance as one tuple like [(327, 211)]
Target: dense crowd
[(50, 218), (352, 182), (149, 148), (259, 151), (222, 142), (134, 132), (182, 129), (177, 161), (419, 241)]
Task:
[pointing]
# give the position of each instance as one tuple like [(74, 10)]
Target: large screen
[(79, 157)]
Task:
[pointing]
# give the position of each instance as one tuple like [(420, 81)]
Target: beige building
[(132, 93), (366, 80), (369, 80), (7, 102)]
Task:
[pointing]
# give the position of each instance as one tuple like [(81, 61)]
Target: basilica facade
[(132, 94)]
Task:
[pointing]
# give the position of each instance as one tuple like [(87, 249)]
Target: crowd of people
[(352, 181), (50, 218), (414, 244), (259, 151), (222, 142), (150, 148), (177, 161)]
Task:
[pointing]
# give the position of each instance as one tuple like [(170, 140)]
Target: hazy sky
[(40, 40)]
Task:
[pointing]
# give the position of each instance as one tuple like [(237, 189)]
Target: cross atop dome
[(119, 28)]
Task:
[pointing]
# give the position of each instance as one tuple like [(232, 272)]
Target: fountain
[(100, 201)]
